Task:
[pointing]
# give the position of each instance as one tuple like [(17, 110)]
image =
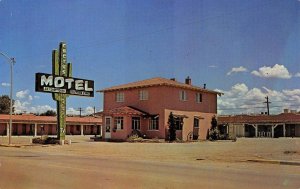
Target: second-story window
[(198, 97), (143, 94), (183, 96), (120, 97)]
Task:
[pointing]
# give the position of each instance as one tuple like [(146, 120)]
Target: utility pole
[(267, 102), (94, 111), (12, 61), (80, 110)]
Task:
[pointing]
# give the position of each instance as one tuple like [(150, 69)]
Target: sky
[(246, 49)]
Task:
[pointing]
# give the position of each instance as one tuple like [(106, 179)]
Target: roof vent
[(204, 86)]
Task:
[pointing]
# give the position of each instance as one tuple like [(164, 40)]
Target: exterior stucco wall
[(162, 97), (188, 123)]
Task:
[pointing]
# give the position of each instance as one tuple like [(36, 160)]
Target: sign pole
[(61, 84)]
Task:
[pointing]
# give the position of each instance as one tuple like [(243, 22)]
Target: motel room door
[(108, 125)]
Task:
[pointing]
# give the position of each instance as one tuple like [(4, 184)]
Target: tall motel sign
[(61, 84)]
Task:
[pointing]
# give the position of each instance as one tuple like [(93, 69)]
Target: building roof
[(49, 119), (256, 119), (126, 110), (157, 81)]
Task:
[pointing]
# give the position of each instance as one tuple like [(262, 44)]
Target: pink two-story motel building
[(145, 106)]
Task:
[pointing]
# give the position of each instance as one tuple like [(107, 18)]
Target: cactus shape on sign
[(60, 67)]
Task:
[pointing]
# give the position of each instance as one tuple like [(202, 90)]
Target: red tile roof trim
[(126, 110), (280, 118), (157, 81), (49, 119)]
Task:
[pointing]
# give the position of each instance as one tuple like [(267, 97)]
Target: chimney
[(173, 79), (204, 86), (286, 110), (188, 80)]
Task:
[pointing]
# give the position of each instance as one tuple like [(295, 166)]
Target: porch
[(263, 130)]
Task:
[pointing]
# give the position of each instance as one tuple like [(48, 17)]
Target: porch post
[(7, 129), (100, 130), (243, 131), (227, 129), (81, 130), (35, 129), (284, 131), (273, 126), (256, 130)]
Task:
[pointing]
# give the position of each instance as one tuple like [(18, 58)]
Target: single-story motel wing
[(32, 125), (264, 126)]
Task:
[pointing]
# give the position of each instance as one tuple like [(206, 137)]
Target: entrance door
[(108, 127)]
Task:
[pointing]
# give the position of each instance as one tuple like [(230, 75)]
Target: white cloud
[(5, 84), (237, 69), (22, 94), (40, 109), (21, 107), (277, 71), (89, 110), (30, 97), (23, 103), (72, 111), (240, 99), (297, 74)]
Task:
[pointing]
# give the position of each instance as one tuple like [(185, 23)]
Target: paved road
[(21, 168)]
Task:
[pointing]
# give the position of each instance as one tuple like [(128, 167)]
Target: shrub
[(45, 140)]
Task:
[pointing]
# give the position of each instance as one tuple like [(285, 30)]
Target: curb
[(279, 162)]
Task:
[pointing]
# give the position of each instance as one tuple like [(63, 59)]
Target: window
[(182, 95), (119, 123), (143, 94), (178, 123), (198, 97), (120, 97), (77, 127), (154, 123), (196, 122), (136, 123)]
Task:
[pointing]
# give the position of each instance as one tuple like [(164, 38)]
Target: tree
[(214, 122), (5, 104), (172, 128), (214, 132), (48, 113)]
